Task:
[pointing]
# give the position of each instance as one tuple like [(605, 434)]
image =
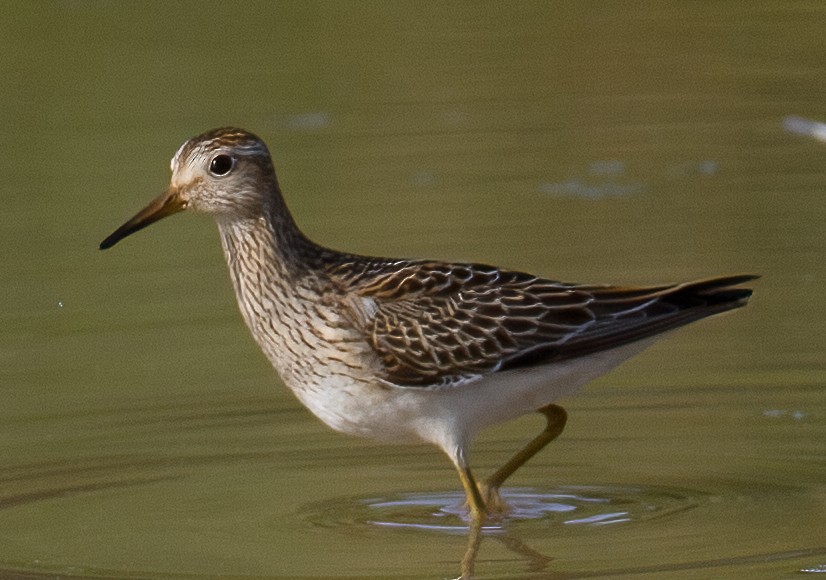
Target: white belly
[(450, 417)]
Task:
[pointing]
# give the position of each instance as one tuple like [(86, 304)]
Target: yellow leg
[(557, 417), (484, 499), (478, 510), (478, 513)]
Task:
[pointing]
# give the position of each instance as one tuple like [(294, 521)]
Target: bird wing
[(434, 324)]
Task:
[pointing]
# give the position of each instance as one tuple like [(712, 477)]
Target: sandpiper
[(413, 350)]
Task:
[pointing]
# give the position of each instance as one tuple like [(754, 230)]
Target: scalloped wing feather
[(435, 324)]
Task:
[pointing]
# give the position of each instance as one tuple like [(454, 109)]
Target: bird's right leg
[(478, 509), (478, 513)]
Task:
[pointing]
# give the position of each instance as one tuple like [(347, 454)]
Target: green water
[(142, 434)]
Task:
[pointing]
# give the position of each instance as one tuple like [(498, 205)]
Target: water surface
[(142, 434)]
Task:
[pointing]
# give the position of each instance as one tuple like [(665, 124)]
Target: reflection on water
[(447, 512), (607, 179), (110, 489), (310, 121), (805, 127)]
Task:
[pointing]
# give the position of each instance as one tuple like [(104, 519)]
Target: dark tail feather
[(715, 292), (639, 313)]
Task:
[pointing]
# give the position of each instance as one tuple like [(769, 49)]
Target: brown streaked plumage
[(409, 350)]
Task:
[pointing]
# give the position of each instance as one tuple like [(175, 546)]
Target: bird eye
[(221, 165)]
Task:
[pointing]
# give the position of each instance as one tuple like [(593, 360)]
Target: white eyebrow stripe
[(223, 143)]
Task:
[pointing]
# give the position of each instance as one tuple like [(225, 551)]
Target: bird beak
[(165, 204)]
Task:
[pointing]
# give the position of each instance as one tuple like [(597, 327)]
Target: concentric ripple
[(561, 506)]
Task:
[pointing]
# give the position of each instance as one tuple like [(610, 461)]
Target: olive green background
[(142, 434)]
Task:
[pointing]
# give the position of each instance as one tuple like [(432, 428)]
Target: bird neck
[(268, 263), (264, 249)]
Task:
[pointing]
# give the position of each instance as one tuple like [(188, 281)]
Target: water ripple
[(445, 512)]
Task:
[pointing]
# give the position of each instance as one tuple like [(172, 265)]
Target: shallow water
[(143, 435)]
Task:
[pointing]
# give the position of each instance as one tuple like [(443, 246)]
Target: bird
[(414, 350)]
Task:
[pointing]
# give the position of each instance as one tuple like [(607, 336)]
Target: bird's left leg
[(557, 417)]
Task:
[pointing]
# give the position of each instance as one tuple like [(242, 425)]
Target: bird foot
[(496, 508)]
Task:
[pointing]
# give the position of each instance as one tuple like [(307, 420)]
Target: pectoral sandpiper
[(411, 350)]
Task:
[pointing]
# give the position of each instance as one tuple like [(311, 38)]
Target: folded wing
[(435, 324)]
